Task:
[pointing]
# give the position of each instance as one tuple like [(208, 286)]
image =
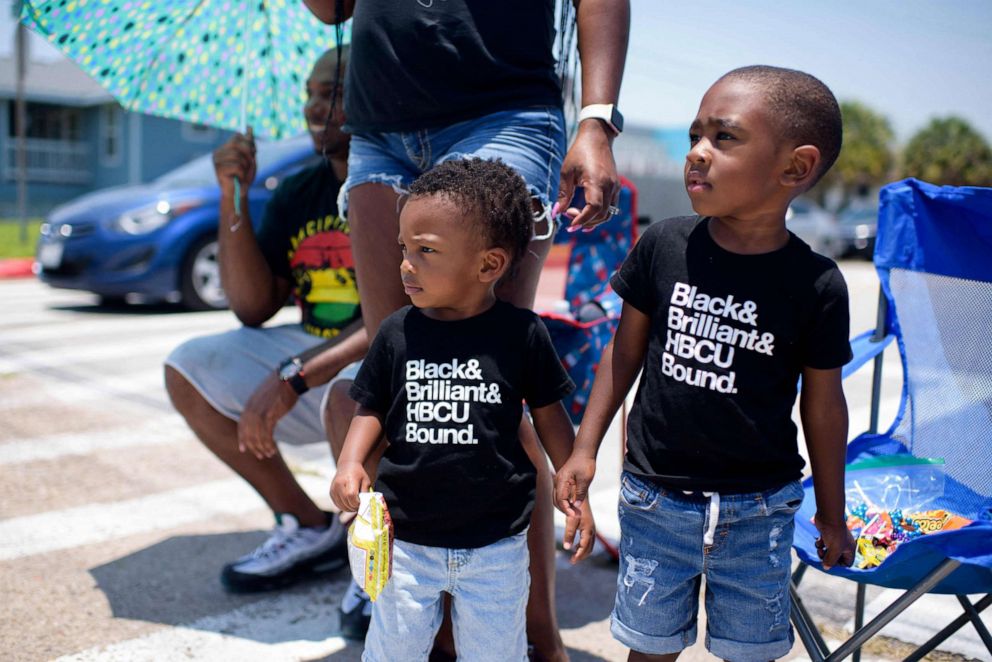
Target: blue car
[(156, 242)]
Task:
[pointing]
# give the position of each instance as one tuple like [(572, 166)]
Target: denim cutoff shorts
[(530, 140), (747, 568), (488, 587)]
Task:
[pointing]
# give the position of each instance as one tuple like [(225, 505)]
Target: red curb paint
[(16, 267)]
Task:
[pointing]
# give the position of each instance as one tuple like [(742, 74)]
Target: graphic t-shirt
[(419, 64), (305, 240), (455, 473), (730, 335)]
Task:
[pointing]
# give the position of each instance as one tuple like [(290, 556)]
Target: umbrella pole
[(244, 105)]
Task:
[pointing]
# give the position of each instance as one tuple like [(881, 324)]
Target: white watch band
[(606, 112)]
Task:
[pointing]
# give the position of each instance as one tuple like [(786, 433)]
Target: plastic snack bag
[(370, 544)]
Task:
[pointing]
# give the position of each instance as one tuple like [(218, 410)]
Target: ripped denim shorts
[(530, 140), (663, 557)]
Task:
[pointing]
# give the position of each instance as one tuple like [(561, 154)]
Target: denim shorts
[(226, 368), (530, 140), (747, 569), (488, 588)]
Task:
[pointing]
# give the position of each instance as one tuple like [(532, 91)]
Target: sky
[(911, 60)]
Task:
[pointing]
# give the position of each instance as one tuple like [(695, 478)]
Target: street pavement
[(114, 521)]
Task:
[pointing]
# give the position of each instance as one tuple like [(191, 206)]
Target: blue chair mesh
[(946, 324)]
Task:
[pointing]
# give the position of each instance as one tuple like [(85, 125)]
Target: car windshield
[(200, 171)]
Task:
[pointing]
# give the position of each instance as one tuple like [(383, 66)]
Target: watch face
[(616, 119), (290, 369)]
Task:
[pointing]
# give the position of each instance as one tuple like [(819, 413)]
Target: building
[(78, 138)]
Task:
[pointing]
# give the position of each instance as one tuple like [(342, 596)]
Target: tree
[(949, 151), (866, 159)]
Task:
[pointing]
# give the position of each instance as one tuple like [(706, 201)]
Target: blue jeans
[(747, 567), (530, 140), (488, 588)]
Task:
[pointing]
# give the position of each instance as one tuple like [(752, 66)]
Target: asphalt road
[(114, 522)]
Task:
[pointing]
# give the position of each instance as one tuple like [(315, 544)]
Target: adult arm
[(603, 32), (273, 398), (351, 478), (823, 411), (618, 368), (326, 10), (255, 294)]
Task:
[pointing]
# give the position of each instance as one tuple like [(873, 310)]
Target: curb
[(16, 267)]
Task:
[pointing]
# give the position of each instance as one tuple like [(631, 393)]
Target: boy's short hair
[(491, 192), (802, 106)]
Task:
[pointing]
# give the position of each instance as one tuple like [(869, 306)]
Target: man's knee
[(339, 403), (185, 398)]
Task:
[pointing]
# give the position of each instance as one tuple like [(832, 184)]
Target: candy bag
[(370, 544)]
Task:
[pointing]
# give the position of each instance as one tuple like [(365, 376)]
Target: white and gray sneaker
[(291, 553)]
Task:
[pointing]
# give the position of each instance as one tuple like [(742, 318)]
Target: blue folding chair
[(933, 255), (580, 335)]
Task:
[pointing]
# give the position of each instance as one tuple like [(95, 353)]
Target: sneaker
[(355, 613), (291, 553)]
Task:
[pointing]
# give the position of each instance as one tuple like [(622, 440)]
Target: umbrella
[(223, 63)]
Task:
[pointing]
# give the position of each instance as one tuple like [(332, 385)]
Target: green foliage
[(866, 160), (10, 238), (948, 151)]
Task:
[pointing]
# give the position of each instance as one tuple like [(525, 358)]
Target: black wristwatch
[(291, 372)]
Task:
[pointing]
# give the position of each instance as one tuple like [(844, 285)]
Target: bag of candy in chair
[(370, 544)]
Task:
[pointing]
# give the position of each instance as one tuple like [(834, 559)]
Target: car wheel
[(201, 288)]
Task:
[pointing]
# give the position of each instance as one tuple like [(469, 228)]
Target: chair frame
[(810, 636)]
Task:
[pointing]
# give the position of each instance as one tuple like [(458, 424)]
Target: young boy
[(444, 381), (724, 312)]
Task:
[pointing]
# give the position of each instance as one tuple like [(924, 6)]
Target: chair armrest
[(865, 347)]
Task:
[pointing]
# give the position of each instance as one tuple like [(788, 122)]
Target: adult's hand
[(267, 405), (589, 163), (603, 32), (235, 158)]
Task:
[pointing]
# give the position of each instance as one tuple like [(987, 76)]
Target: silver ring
[(612, 210)]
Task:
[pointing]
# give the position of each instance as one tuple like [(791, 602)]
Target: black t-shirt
[(417, 65), (730, 335), (305, 240), (455, 474)]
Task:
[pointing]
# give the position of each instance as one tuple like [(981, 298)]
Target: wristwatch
[(291, 372), (603, 111)]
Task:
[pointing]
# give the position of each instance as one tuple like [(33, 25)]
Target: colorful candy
[(880, 532)]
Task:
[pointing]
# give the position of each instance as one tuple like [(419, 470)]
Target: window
[(48, 121), (54, 147), (111, 135)]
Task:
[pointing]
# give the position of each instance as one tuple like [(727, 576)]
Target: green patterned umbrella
[(223, 63)]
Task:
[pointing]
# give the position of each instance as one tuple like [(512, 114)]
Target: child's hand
[(586, 527), (572, 484), (835, 544), (349, 480)]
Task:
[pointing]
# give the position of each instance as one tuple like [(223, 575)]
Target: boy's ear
[(495, 262), (802, 166)]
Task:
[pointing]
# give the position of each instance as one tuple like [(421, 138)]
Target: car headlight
[(150, 218), (862, 231)]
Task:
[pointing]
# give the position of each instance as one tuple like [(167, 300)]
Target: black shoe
[(290, 554), (355, 623)]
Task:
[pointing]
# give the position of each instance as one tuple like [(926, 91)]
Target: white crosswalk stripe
[(284, 627), (163, 430), (96, 522)]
